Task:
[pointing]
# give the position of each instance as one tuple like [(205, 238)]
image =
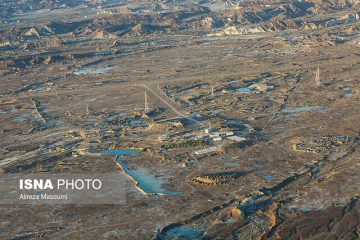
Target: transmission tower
[(146, 109), (87, 109), (317, 78)]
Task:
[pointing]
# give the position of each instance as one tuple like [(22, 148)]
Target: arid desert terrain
[(242, 117)]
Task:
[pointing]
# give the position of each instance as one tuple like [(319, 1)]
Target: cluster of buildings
[(223, 135)]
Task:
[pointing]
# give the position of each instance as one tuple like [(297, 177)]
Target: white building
[(236, 138), (208, 130), (215, 139), (221, 134)]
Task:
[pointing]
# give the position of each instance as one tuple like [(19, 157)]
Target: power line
[(146, 109)]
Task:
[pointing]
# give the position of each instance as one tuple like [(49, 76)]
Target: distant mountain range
[(109, 20)]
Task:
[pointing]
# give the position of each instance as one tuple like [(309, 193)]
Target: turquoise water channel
[(301, 109), (182, 232), (87, 71), (148, 183)]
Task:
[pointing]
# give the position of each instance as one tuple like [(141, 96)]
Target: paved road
[(168, 103), (158, 93)]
